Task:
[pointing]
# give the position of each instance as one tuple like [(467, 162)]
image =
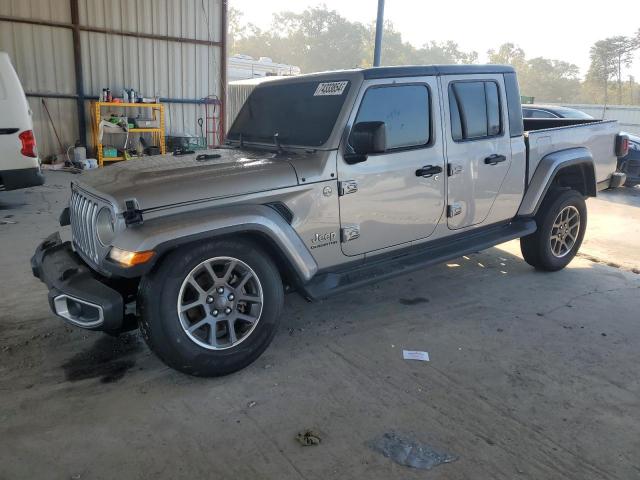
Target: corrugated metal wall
[(43, 57)]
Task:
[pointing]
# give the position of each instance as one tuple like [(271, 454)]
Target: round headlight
[(105, 226)]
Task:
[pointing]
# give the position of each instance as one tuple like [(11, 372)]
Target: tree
[(622, 48), (608, 57), (444, 53), (551, 80), (543, 78), (320, 39), (603, 66), (395, 51), (508, 54), (235, 28)]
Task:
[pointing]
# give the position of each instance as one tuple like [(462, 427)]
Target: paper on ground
[(415, 355)]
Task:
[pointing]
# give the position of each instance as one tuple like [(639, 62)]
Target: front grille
[(84, 211)]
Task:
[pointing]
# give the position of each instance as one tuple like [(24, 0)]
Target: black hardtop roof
[(390, 72), (423, 70)]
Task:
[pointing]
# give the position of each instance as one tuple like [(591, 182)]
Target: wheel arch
[(257, 223), (572, 168)]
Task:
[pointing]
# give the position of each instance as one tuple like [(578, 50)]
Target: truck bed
[(544, 136)]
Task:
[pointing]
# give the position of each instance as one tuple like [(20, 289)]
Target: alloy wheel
[(220, 303), (564, 231)]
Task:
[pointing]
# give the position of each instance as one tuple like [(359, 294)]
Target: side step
[(431, 253)]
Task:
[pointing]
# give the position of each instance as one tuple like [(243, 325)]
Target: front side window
[(475, 110), (405, 111)]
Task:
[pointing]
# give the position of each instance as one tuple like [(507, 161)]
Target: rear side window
[(475, 110), (405, 109)]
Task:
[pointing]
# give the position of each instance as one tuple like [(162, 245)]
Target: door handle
[(495, 159), (428, 171)]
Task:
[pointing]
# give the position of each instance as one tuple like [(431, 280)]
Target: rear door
[(478, 145), (385, 201)]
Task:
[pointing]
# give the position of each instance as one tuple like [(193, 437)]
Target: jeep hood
[(166, 180)]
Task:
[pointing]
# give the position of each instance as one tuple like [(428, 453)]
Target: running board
[(431, 253)]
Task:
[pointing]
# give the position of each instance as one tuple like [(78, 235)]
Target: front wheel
[(562, 222), (211, 309)]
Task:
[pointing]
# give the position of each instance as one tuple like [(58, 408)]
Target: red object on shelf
[(213, 125)]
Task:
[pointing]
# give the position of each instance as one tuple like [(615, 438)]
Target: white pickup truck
[(328, 182)]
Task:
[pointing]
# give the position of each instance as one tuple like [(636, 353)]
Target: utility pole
[(379, 28)]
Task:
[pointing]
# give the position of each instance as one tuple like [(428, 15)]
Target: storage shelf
[(157, 132), (141, 105), (137, 130)]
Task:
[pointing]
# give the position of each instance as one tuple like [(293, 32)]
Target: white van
[(19, 162)]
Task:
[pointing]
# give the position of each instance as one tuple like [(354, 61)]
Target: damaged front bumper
[(76, 293)]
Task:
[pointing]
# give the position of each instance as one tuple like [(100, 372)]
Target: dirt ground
[(532, 375)]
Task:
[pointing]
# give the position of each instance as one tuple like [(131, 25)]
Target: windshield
[(300, 113)]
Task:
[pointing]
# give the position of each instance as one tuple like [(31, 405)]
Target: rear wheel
[(562, 222), (212, 309)]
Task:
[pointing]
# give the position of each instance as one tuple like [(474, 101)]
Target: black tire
[(536, 248), (160, 323)]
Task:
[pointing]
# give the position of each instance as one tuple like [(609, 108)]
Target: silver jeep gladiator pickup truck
[(326, 182)]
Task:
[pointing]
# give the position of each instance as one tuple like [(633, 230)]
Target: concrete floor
[(532, 375)]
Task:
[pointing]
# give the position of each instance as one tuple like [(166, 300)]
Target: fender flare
[(172, 231), (546, 172)]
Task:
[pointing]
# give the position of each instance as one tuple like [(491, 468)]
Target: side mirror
[(367, 138)]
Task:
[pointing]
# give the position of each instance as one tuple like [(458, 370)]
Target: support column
[(77, 58)]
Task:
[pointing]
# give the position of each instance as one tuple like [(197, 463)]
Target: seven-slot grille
[(84, 211)]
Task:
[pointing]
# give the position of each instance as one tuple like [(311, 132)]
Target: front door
[(391, 198), (478, 146)]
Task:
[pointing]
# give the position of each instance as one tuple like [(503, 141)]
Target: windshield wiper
[(276, 141)]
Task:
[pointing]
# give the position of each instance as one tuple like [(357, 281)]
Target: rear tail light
[(622, 145), (28, 144)]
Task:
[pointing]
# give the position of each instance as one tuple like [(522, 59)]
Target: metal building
[(67, 51)]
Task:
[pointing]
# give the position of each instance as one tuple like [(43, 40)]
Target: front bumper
[(76, 293)]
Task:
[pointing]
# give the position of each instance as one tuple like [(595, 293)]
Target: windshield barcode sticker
[(330, 88)]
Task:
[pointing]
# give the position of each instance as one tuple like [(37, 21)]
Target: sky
[(557, 29)]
